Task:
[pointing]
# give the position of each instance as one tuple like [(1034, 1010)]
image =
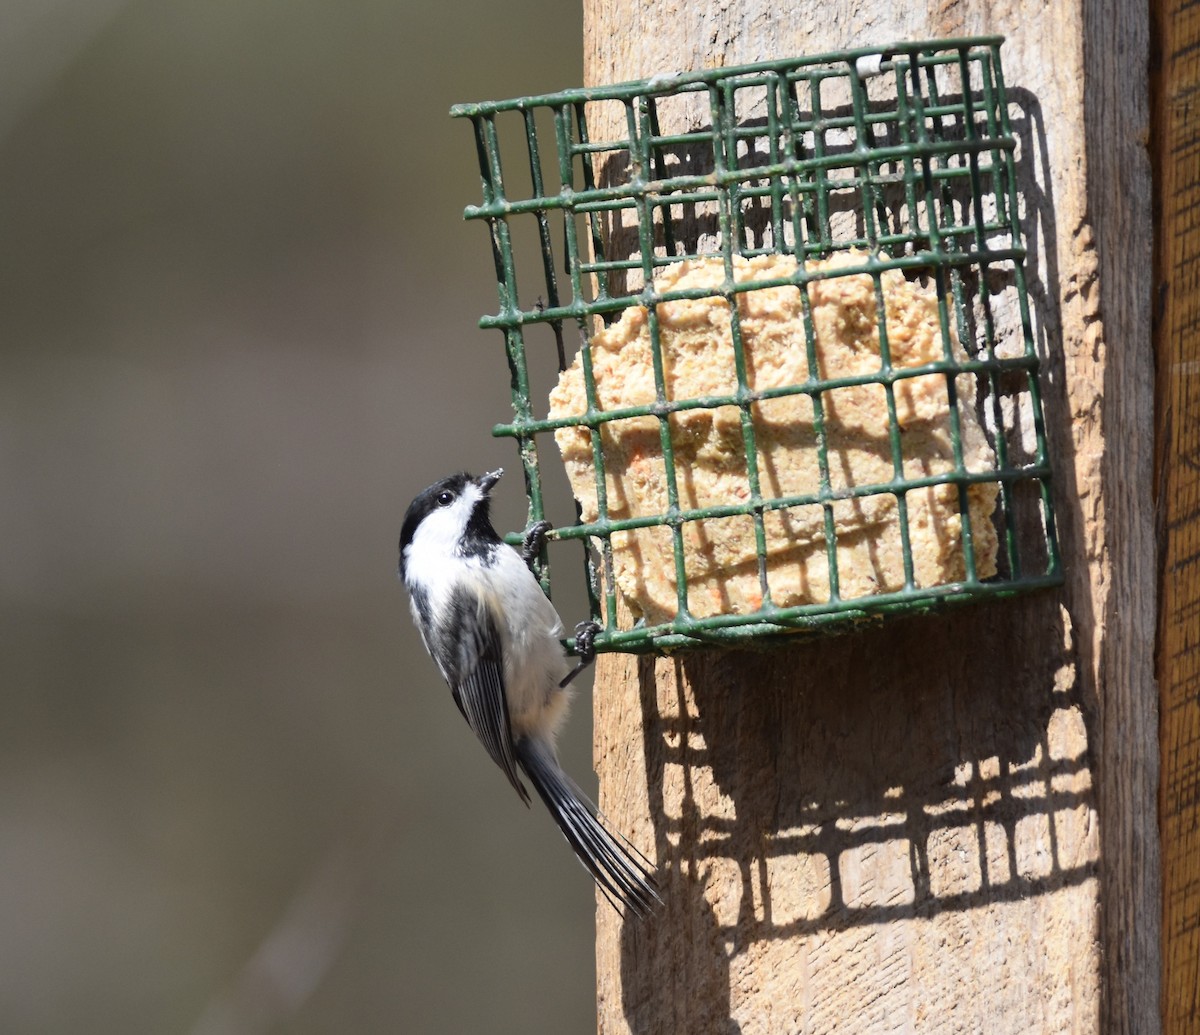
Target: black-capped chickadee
[(495, 637)]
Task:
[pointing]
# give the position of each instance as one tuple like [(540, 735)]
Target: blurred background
[(237, 322)]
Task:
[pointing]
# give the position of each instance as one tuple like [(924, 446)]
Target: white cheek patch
[(438, 536)]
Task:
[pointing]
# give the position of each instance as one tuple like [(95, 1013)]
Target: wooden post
[(1176, 153), (943, 824)]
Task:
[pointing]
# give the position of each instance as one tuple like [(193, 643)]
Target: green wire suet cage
[(902, 157)]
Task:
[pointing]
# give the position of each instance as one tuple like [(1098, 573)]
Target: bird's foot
[(585, 647), (585, 641), (535, 539)]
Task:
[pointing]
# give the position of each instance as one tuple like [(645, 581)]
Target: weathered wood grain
[(1176, 152), (943, 825)]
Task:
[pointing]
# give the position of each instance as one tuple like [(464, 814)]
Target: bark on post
[(944, 824)]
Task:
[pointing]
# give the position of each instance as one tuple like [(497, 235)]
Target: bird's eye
[(445, 498)]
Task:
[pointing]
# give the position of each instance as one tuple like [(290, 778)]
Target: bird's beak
[(486, 481)]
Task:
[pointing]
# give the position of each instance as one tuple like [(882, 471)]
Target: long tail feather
[(623, 874)]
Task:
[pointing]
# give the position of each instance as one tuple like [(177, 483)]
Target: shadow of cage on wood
[(790, 805)]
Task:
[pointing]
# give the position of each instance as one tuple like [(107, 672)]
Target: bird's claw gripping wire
[(535, 539), (585, 647)]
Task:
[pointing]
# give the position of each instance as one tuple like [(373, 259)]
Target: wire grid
[(904, 152)]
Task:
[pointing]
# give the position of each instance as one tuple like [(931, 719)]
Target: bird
[(496, 640)]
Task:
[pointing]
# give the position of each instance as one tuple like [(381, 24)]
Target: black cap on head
[(478, 533)]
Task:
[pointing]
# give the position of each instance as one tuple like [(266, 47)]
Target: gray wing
[(473, 665)]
